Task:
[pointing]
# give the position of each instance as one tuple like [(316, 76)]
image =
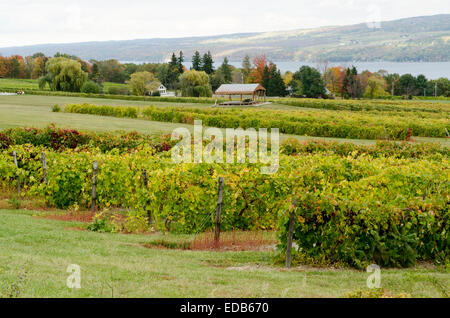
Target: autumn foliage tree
[(5, 67), (334, 79), (257, 73), (38, 69), (375, 86), (112, 71), (13, 67)]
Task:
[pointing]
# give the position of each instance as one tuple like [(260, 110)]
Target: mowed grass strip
[(117, 265)]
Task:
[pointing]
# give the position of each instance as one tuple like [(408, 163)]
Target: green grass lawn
[(117, 265), (15, 83), (107, 85), (35, 111)]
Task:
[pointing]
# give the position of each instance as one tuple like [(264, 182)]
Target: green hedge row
[(381, 148), (312, 123), (113, 111), (342, 124), (366, 105)]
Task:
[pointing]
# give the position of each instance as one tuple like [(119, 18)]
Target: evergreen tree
[(346, 83), (311, 82), (407, 83), (173, 61), (356, 87), (265, 82), (272, 81), (226, 71), (196, 61), (421, 84), (351, 85), (276, 85), (15, 67), (180, 63), (208, 63), (246, 68), (173, 72)]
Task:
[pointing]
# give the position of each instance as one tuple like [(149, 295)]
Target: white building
[(163, 91)]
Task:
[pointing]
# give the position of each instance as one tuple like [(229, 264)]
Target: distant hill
[(425, 38)]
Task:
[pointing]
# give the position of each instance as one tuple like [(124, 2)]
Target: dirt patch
[(229, 241), (235, 241), (85, 217), (74, 228)]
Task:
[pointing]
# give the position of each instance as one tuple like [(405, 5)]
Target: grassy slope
[(34, 110), (116, 264)]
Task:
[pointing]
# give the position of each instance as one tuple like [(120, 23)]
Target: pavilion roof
[(239, 89)]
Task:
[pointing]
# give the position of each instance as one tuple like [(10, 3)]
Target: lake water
[(432, 70)]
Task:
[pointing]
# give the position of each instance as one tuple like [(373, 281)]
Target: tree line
[(348, 83), (71, 73)]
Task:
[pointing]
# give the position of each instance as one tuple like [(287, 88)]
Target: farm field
[(116, 265), (350, 192), (35, 111)]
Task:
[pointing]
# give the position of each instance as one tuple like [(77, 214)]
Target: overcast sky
[(60, 21)]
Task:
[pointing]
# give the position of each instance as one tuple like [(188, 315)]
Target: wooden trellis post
[(17, 174), (290, 237), (44, 167), (218, 211), (409, 134), (145, 178), (94, 186)]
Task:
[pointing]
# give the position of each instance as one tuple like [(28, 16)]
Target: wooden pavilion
[(255, 91)]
